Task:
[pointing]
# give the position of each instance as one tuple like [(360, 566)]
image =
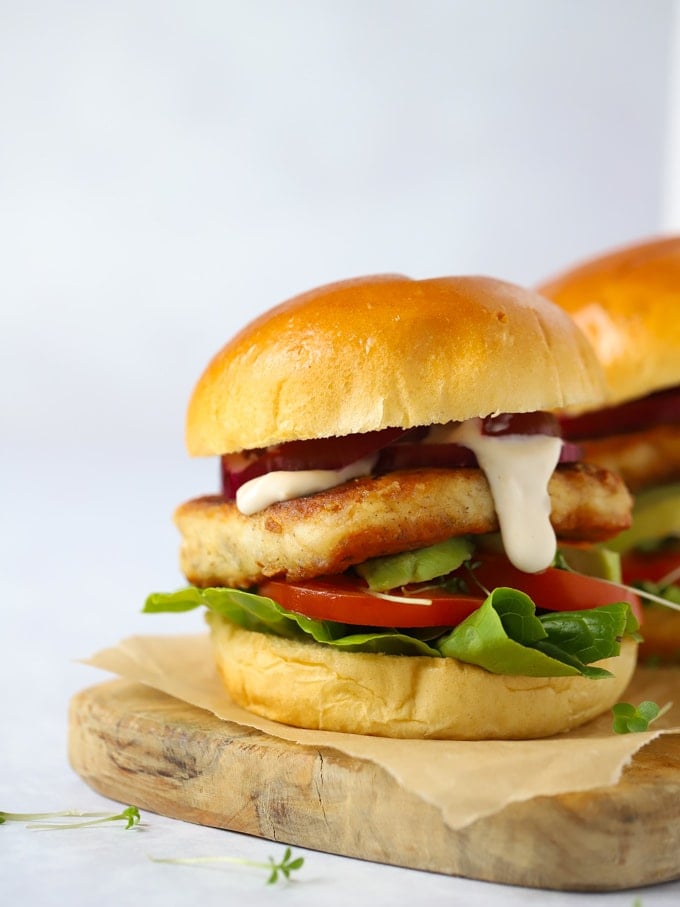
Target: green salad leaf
[(630, 719), (504, 635), (257, 612)]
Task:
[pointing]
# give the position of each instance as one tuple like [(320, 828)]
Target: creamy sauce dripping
[(517, 467), (282, 485)]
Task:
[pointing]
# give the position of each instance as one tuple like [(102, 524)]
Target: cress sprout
[(42, 821), (284, 867), (631, 720)]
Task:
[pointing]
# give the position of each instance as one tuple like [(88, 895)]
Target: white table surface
[(84, 539)]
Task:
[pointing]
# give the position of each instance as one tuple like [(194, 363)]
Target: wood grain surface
[(140, 746)]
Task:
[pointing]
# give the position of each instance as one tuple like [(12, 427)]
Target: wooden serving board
[(140, 746)]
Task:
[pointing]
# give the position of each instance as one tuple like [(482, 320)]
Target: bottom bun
[(308, 685)]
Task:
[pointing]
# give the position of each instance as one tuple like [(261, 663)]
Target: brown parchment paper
[(465, 780)]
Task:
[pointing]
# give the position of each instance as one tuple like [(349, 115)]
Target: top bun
[(627, 302), (387, 351)]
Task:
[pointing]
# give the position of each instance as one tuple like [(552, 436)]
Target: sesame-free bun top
[(387, 351), (627, 301)]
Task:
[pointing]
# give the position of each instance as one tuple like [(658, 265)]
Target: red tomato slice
[(554, 589), (346, 599), (653, 566)]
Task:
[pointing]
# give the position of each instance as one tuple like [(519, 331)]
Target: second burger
[(627, 301)]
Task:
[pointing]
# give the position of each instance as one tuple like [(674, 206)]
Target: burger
[(401, 543), (627, 302)]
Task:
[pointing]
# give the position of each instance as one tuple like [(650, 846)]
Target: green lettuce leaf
[(257, 612), (504, 635)]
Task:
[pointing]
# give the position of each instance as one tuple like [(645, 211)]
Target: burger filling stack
[(402, 543)]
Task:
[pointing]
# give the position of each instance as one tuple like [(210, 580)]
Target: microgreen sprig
[(43, 821), (630, 720), (284, 867)]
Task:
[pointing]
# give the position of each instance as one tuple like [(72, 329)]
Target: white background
[(167, 171)]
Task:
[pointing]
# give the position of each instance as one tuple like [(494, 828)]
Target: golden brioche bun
[(308, 685), (627, 303), (387, 351)]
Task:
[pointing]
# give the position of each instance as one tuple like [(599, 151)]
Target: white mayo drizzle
[(282, 485), (517, 467)]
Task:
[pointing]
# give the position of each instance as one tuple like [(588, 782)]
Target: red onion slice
[(660, 408), (396, 449)]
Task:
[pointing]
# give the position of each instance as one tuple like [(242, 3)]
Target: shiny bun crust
[(308, 685), (628, 304), (387, 351)]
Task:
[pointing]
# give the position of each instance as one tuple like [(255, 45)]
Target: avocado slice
[(419, 566), (656, 514), (602, 563)]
